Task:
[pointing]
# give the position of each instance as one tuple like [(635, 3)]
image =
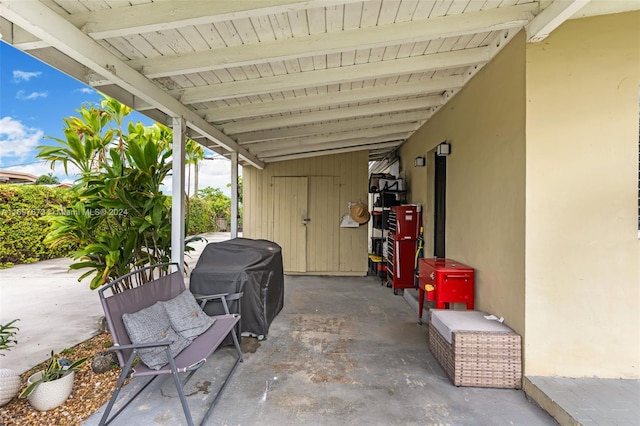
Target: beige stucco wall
[(344, 250), (485, 124), (582, 247)]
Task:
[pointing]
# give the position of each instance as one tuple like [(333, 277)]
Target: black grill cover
[(243, 264)]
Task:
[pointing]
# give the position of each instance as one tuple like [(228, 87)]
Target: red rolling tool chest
[(445, 281), (404, 228)]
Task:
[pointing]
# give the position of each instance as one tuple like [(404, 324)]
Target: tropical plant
[(122, 219), (49, 179), (220, 202), (193, 154), (56, 369), (7, 336)]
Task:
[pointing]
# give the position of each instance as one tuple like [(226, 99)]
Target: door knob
[(306, 220)]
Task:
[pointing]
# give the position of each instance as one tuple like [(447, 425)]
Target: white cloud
[(23, 96), (216, 174), (19, 76), (85, 90), (16, 139)]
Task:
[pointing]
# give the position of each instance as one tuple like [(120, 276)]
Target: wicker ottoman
[(474, 351)]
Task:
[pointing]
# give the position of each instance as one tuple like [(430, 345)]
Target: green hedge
[(201, 217), (22, 230)]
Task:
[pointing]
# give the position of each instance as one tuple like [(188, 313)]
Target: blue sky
[(34, 98)]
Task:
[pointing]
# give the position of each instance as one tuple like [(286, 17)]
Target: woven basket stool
[(474, 351)]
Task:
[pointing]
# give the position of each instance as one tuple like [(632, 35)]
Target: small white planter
[(49, 395), (9, 385)]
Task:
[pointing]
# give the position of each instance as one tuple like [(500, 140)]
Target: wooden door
[(323, 248), (290, 195)]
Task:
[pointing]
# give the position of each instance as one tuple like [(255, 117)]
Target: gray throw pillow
[(152, 325), (186, 316)]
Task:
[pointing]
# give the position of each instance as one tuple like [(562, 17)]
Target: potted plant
[(52, 386), (9, 379)]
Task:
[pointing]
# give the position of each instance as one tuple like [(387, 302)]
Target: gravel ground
[(90, 391)]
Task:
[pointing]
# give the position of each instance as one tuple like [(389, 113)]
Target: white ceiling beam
[(18, 37), (330, 152), (45, 24), (372, 70), (167, 15), (336, 42), (253, 125), (552, 17), (307, 147), (369, 94), (331, 126), (334, 137)]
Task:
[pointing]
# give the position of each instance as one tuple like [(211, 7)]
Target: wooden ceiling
[(283, 79)]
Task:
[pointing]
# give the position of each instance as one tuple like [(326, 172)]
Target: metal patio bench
[(138, 290)]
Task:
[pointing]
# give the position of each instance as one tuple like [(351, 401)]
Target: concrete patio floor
[(342, 351)]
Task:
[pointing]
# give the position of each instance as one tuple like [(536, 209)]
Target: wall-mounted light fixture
[(443, 149), (419, 162)]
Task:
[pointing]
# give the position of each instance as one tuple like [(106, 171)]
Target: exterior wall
[(485, 195), (349, 253), (582, 247)]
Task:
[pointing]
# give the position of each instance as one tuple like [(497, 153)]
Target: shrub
[(22, 230), (201, 217)]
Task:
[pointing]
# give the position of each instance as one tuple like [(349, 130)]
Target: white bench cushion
[(447, 321)]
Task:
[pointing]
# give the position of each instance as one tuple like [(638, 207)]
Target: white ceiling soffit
[(281, 79)]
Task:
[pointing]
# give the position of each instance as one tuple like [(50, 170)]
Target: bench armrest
[(222, 297), (138, 346)]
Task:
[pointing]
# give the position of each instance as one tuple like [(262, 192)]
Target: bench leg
[(105, 420), (180, 388), (226, 380)]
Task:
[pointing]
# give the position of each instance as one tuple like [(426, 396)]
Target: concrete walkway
[(55, 311)]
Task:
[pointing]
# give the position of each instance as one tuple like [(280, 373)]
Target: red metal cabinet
[(405, 222), (400, 263), (445, 281)]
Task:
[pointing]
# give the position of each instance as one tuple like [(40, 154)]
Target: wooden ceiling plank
[(331, 126), (317, 101), (303, 145), (334, 75), (325, 43), (352, 16), (298, 156), (370, 13), (424, 8), (263, 29), (243, 126), (159, 16), (334, 137)]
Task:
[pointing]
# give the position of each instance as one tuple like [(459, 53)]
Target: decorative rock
[(103, 362), (102, 325)]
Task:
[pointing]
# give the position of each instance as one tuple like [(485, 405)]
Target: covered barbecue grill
[(243, 265)]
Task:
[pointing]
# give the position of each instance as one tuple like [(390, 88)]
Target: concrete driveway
[(55, 311)]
